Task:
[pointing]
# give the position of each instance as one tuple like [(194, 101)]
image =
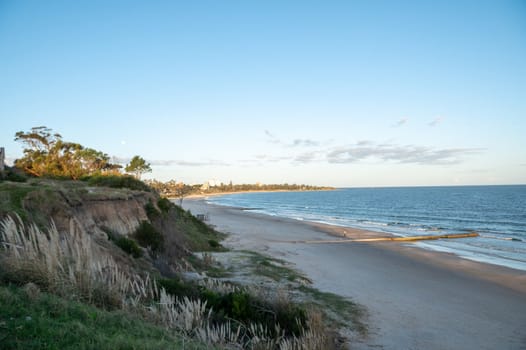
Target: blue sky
[(343, 93)]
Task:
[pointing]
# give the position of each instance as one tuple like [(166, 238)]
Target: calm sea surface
[(497, 213)]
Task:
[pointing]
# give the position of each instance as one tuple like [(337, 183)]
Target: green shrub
[(214, 243), (241, 306), (164, 204), (129, 246), (10, 174), (180, 288), (246, 308), (117, 182), (151, 211), (148, 236)]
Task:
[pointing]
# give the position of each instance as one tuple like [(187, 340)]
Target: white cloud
[(400, 153), (272, 138), (436, 121), (305, 143), (400, 122)]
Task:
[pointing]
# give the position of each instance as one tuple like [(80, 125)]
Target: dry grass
[(219, 286), (68, 265), (72, 265)]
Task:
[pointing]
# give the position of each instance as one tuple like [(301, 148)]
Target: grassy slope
[(51, 322), (56, 323), (248, 267), (44, 321)]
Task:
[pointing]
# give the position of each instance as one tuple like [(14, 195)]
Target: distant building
[(210, 183), (2, 158)]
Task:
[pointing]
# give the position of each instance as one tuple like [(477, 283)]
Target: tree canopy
[(47, 154), (138, 166)]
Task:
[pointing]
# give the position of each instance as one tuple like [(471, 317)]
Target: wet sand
[(416, 299)]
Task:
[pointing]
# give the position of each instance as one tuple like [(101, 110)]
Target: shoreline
[(503, 275), (338, 230), (450, 302)]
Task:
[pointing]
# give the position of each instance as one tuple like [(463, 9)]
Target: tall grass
[(74, 266), (68, 265)]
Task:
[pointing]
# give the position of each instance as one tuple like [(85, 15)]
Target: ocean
[(497, 213)]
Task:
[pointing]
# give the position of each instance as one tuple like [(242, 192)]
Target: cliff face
[(93, 209), (105, 213), (121, 216)]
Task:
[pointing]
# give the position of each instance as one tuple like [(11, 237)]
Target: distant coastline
[(216, 194), (174, 190)]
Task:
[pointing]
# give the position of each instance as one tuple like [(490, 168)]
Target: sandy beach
[(416, 299)]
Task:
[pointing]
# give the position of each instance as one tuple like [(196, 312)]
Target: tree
[(138, 166), (46, 154), (40, 143)]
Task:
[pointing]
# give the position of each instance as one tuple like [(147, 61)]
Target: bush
[(214, 243), (10, 174), (129, 246), (148, 236), (151, 211), (241, 306), (180, 288), (246, 308), (117, 182), (126, 244), (164, 204)]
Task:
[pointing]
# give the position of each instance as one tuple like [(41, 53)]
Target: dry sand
[(416, 299)]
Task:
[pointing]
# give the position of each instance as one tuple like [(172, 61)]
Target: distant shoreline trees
[(180, 190)]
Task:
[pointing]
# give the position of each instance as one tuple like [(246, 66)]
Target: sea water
[(497, 213)]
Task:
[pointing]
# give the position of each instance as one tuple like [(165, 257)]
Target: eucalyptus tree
[(47, 154)]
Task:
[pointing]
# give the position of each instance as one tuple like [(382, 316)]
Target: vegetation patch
[(164, 204), (149, 237), (127, 245), (151, 211), (343, 308), (11, 198), (246, 308), (214, 244), (45, 321), (270, 274), (117, 181), (231, 316), (207, 264), (275, 269), (243, 307), (199, 235), (11, 174), (180, 288)]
